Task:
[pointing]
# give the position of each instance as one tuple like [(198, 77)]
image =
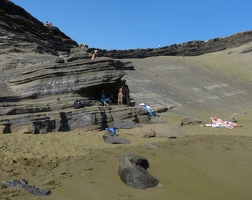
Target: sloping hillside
[(213, 83)]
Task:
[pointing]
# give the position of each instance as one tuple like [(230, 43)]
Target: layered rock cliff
[(43, 71), (192, 48), (20, 32)]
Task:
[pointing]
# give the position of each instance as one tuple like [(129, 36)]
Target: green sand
[(207, 163)]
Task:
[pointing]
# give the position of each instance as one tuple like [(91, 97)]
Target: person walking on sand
[(120, 96)]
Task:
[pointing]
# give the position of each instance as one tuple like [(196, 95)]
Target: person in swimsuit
[(120, 95)]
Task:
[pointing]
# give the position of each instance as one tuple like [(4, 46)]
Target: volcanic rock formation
[(133, 172), (43, 71)]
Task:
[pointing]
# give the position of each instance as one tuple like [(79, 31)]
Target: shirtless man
[(127, 95), (120, 95)]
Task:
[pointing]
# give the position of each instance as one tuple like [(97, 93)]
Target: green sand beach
[(207, 163), (52, 119)]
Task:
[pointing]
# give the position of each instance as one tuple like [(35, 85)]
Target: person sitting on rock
[(112, 98), (103, 98), (81, 45), (94, 55), (47, 23)]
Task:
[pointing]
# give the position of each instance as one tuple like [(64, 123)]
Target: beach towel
[(219, 123), (148, 108)]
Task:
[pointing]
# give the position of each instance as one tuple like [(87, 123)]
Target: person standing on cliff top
[(120, 96), (94, 55)]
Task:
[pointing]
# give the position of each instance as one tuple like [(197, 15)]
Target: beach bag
[(112, 131), (78, 104)]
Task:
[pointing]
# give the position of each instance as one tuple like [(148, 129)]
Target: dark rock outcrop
[(114, 139), (22, 33), (192, 48), (125, 124), (191, 121), (22, 183), (133, 172)]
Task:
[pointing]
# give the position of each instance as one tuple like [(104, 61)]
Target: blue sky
[(131, 24)]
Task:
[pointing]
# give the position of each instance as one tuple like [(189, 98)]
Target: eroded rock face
[(34, 86), (43, 71), (114, 139), (191, 48), (133, 172), (74, 77), (22, 33)]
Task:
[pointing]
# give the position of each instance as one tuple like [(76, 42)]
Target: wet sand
[(207, 163)]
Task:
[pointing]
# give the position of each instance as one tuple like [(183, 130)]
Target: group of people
[(83, 45), (48, 23), (123, 97)]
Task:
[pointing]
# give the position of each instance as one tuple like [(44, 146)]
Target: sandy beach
[(207, 163)]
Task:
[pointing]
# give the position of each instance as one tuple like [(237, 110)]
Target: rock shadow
[(64, 127)]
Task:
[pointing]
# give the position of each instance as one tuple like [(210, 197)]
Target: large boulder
[(133, 172), (191, 121)]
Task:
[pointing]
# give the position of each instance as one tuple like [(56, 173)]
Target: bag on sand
[(112, 131), (78, 104)]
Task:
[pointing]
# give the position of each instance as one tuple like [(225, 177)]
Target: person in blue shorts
[(103, 98)]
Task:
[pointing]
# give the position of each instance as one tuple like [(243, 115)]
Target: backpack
[(78, 104), (112, 131)]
